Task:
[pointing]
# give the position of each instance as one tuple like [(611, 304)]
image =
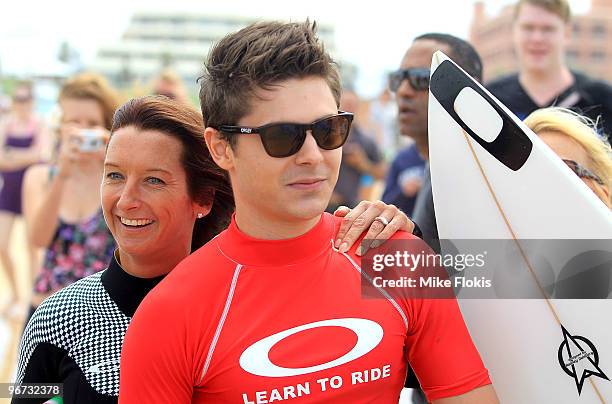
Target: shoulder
[(503, 82), (59, 316), (37, 174), (504, 87), (70, 301), (599, 90)]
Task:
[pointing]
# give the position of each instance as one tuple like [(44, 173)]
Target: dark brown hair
[(92, 86), (558, 7), (259, 57), (185, 124)]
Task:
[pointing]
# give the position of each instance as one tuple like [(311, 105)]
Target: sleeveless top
[(76, 251), (10, 193)]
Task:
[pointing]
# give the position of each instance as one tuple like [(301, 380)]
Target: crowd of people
[(205, 233)]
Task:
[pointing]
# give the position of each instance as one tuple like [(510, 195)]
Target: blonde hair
[(92, 86), (558, 7), (581, 130)]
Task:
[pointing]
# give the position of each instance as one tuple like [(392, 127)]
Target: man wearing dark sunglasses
[(270, 309), (410, 83)]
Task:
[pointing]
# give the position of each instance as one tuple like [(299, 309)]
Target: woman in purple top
[(20, 135)]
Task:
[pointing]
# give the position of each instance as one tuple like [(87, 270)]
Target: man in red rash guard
[(270, 310)]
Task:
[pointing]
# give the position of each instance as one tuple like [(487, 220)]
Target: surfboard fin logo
[(579, 358)]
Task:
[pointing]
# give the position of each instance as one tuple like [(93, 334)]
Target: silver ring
[(381, 219)]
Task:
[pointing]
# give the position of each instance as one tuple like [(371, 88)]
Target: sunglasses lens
[(395, 80), (420, 81), (583, 172), (282, 140), (332, 132)]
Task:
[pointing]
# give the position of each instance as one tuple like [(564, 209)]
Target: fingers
[(342, 211), (373, 237), (351, 219), (379, 233), (360, 221)]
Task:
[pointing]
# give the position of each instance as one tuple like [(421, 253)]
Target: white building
[(181, 41)]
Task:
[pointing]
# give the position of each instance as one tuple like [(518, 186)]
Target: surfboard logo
[(579, 358), (506, 140)]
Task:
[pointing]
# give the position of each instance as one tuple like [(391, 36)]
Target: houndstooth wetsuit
[(75, 336)]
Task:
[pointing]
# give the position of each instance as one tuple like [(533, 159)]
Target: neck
[(22, 116), (423, 148), (258, 225), (150, 265)]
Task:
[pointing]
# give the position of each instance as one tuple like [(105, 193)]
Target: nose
[(130, 197), (310, 153), (405, 89)]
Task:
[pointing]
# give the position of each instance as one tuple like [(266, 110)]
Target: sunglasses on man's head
[(418, 77), (286, 139), (583, 172)]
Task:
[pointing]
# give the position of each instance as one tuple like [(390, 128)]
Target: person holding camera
[(62, 199)]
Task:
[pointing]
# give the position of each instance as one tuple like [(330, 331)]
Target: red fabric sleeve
[(155, 367), (439, 346), (441, 350)]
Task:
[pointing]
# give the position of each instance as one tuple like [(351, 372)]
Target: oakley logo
[(491, 126), (245, 130), (256, 360), (105, 367)]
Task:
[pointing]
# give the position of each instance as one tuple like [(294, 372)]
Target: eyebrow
[(160, 170)]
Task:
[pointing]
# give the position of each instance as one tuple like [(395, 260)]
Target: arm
[(14, 158), (42, 196), (21, 158), (4, 163), (366, 161), (39, 362), (443, 356), (41, 204), (480, 395)]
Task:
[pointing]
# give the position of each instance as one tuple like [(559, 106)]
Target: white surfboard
[(492, 178)]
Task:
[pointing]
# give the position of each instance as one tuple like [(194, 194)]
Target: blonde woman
[(62, 199), (572, 137)]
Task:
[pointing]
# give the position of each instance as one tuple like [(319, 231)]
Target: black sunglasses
[(583, 172), (418, 77), (286, 139)]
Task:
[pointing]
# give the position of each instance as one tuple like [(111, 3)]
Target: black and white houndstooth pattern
[(83, 320)]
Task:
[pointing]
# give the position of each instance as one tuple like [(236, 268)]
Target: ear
[(204, 203), (220, 149)]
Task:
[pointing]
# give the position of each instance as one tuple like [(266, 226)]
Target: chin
[(309, 210), (136, 249)]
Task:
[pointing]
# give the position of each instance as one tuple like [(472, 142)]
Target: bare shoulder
[(37, 174)]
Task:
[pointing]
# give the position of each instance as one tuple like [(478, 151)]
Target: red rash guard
[(257, 321)]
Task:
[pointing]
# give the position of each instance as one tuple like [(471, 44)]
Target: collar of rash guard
[(247, 250), (127, 291)]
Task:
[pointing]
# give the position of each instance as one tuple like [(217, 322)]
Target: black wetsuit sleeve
[(43, 367)]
